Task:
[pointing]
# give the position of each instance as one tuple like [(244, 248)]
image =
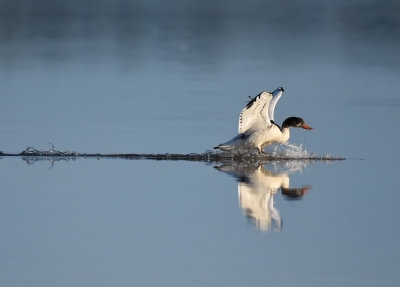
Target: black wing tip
[(253, 100), (280, 89)]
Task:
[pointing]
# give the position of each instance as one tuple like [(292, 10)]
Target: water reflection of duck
[(257, 128), (256, 189)]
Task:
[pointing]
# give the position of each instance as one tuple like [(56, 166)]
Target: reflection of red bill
[(306, 127), (305, 189)]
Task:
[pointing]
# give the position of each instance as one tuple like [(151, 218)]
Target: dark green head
[(296, 123)]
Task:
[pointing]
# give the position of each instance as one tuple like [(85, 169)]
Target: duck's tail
[(223, 147)]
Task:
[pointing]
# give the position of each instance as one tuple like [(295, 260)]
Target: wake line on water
[(286, 152)]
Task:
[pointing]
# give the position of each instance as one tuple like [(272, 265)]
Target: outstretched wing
[(276, 95), (256, 113)]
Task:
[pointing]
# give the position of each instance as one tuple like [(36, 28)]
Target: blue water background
[(158, 77)]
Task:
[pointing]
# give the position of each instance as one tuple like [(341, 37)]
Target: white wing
[(256, 113), (276, 96)]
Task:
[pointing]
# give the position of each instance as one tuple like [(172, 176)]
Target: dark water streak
[(208, 157)]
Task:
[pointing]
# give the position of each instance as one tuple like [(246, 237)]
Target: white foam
[(287, 150)]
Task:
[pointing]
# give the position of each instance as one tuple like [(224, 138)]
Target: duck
[(257, 128)]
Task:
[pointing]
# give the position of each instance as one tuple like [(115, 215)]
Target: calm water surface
[(146, 77)]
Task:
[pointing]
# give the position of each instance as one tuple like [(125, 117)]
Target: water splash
[(31, 151), (291, 151)]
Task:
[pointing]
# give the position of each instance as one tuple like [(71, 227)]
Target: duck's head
[(296, 123)]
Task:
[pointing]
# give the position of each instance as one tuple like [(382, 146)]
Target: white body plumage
[(256, 139)]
